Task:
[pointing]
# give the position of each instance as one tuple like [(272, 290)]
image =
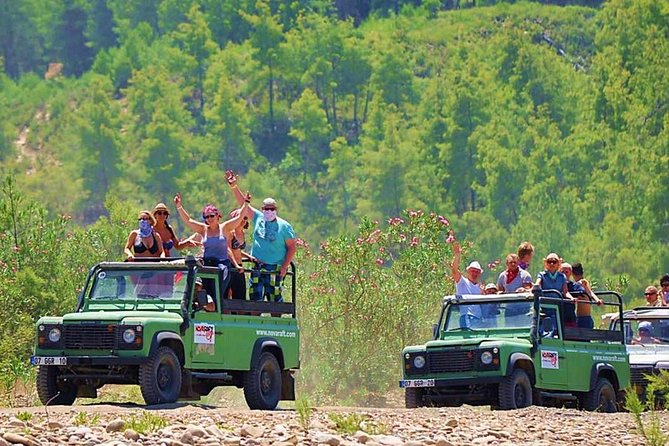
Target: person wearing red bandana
[(513, 277)]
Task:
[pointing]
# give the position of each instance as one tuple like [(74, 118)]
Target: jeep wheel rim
[(267, 379), (519, 396), (606, 400), (164, 376)]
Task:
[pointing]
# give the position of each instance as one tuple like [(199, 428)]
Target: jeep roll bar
[(573, 333), (262, 306), (191, 263)]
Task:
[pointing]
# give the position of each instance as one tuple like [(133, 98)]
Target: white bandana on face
[(269, 215)]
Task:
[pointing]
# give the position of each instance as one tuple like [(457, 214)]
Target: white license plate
[(416, 383), (48, 360)]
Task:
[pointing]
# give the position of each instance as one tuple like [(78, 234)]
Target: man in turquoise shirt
[(273, 246)]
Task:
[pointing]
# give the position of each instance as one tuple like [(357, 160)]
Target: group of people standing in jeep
[(223, 243), (557, 275)]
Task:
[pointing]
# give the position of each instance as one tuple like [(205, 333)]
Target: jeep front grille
[(638, 375), (451, 361), (90, 336)]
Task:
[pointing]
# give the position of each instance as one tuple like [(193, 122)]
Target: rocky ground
[(185, 424)]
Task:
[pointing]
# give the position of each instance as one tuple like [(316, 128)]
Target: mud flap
[(287, 385), (187, 392)]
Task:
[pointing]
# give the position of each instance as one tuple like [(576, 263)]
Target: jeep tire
[(51, 391), (262, 384), (160, 377), (515, 391), (413, 398), (601, 398)]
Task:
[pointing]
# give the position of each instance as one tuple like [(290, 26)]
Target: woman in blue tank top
[(215, 244)]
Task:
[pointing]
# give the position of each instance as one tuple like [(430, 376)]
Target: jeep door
[(551, 363), (204, 331)]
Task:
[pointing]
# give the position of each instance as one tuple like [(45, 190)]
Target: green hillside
[(514, 121)]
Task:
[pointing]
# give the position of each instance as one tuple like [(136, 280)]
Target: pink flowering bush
[(44, 262), (367, 296)]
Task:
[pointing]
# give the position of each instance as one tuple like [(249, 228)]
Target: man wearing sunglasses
[(273, 246), (652, 298)]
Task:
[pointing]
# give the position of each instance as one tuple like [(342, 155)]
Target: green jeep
[(514, 350), (143, 323)]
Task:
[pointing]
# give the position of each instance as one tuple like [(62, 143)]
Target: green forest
[(378, 126)]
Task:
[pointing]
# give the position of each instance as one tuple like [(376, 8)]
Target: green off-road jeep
[(514, 350), (144, 323)]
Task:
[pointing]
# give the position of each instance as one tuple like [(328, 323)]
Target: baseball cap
[(491, 286), (198, 281), (269, 202), (645, 325), (475, 265)]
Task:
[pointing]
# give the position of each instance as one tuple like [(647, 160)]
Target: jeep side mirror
[(435, 331)]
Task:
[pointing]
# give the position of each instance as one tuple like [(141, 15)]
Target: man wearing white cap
[(470, 315), (273, 246)]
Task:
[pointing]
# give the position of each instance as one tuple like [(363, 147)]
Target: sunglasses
[(552, 262), (664, 284), (162, 213), (143, 219), (210, 216), (649, 294), (269, 209)]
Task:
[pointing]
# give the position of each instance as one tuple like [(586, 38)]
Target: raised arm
[(193, 224), (241, 198), (233, 222), (455, 266)]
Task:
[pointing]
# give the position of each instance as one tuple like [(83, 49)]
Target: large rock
[(116, 425), (387, 440), (325, 438), (251, 431), (19, 439)]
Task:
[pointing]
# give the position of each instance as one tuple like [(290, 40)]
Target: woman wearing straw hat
[(170, 240)]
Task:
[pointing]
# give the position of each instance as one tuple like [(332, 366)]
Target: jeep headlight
[(54, 335), (486, 358), (419, 362), (129, 336)]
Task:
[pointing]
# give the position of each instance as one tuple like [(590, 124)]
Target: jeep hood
[(478, 342), (648, 354), (118, 316)]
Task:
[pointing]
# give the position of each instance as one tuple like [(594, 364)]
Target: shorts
[(237, 284), (223, 277), (265, 282), (585, 322)]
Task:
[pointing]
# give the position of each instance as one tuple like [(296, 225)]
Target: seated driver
[(210, 302), (644, 331)]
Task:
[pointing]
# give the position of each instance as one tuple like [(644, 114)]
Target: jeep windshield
[(645, 331), (134, 284), (469, 315)]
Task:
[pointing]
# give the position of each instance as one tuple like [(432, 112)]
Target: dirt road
[(177, 424)]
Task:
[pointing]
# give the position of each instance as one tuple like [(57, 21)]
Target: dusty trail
[(198, 424)]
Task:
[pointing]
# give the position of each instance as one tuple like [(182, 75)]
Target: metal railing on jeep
[(586, 334)]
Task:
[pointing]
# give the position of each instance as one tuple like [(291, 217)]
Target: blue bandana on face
[(144, 228)]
